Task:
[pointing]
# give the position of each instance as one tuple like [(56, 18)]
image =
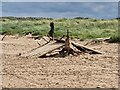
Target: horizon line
[(57, 18)]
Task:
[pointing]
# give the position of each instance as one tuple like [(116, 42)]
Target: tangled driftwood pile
[(63, 47)]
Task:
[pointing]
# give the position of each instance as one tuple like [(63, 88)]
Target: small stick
[(3, 37)]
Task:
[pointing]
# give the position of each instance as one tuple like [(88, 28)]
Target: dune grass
[(81, 28)]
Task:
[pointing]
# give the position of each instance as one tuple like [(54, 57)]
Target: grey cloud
[(56, 10)]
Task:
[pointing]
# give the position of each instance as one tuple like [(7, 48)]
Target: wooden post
[(67, 49)]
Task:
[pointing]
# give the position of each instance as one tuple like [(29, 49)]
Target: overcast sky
[(60, 9)]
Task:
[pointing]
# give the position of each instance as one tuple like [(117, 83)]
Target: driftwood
[(3, 37), (43, 41), (67, 48), (33, 37), (41, 51), (97, 40), (85, 49), (103, 39), (82, 48)]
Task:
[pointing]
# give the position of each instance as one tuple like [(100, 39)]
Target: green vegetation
[(82, 28), (114, 39)]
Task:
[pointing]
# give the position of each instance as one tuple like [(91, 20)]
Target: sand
[(82, 71)]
